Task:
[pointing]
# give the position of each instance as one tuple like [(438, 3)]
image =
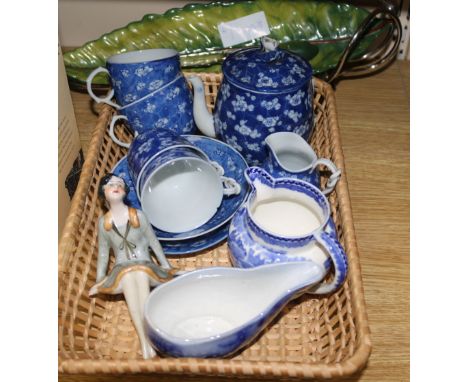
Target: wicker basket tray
[(312, 338)]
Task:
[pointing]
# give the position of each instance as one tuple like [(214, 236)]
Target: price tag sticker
[(243, 29)]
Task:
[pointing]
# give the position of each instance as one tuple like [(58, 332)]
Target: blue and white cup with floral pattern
[(136, 74), (179, 188), (150, 90), (169, 107)]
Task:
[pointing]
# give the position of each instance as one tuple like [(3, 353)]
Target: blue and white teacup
[(169, 107), (179, 188), (136, 74), (286, 220)]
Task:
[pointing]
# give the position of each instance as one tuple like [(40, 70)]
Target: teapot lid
[(267, 69)]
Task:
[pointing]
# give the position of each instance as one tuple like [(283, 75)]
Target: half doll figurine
[(127, 231)]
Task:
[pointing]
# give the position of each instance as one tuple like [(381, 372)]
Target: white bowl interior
[(271, 208), (141, 56), (182, 195), (218, 300)]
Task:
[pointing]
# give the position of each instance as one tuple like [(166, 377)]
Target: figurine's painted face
[(114, 190)]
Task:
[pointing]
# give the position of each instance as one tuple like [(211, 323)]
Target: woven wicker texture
[(312, 337)]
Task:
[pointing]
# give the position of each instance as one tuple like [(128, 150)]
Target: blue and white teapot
[(264, 90)]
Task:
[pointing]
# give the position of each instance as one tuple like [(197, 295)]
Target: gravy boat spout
[(213, 312)]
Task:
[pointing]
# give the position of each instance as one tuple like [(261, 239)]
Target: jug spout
[(203, 118), (290, 152), (257, 176)]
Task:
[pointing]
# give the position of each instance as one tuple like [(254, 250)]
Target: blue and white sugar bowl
[(264, 90), (286, 220)]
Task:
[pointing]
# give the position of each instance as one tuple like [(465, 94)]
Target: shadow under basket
[(313, 337)]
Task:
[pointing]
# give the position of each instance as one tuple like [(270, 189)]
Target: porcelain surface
[(150, 144), (198, 239), (196, 244), (234, 166), (170, 107), (162, 158), (267, 71), (136, 74), (290, 156), (215, 312), (181, 194), (252, 243)]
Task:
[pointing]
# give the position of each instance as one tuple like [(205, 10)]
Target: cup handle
[(108, 98), (334, 177), (340, 262), (230, 186), (115, 118), (219, 169)]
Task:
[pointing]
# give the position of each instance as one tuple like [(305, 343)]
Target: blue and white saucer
[(233, 164), (200, 243)]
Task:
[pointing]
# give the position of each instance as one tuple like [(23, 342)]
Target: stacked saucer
[(216, 229)]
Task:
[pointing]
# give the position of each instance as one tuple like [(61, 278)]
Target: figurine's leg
[(131, 293), (143, 284)]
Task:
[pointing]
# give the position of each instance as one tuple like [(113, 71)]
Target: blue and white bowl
[(182, 193), (233, 164), (198, 239), (150, 144)]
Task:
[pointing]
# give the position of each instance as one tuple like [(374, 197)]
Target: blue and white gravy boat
[(214, 312), (285, 220)]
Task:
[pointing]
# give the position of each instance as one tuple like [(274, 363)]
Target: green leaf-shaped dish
[(318, 30)]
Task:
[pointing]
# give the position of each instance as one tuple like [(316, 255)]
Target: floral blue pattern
[(263, 92), (266, 71), (169, 107), (132, 81)]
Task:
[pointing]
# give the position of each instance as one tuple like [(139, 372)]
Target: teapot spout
[(203, 118)]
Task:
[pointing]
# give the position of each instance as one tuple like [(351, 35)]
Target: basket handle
[(370, 62)]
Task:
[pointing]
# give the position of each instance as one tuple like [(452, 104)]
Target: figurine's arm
[(154, 242), (103, 254)]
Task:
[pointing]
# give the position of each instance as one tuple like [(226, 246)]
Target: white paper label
[(244, 29)]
